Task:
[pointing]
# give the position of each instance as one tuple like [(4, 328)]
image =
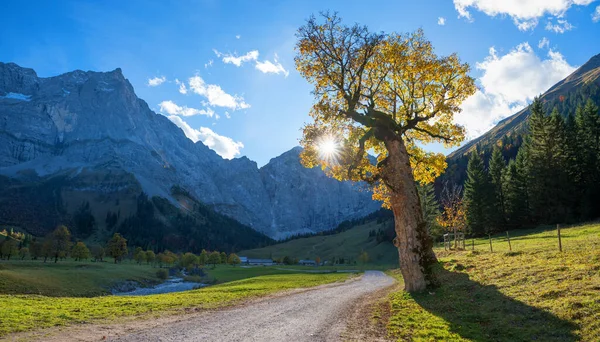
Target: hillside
[(346, 245), (532, 293), (566, 95)]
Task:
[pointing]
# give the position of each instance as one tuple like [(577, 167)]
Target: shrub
[(162, 274)]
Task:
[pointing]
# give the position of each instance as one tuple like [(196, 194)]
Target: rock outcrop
[(94, 121)]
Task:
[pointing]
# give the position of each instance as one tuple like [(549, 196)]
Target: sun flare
[(329, 147)]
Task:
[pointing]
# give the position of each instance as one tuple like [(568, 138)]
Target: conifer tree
[(430, 208), (515, 195), (539, 161), (571, 168), (496, 166), (588, 147), (477, 196), (558, 182)]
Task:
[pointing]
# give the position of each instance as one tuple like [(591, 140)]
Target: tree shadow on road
[(482, 313)]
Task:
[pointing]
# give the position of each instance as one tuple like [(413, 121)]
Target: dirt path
[(318, 315)]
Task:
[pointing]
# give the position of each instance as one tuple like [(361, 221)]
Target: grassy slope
[(26, 312), (532, 293), (347, 245), (68, 278)]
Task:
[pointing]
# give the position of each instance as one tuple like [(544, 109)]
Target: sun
[(329, 147)]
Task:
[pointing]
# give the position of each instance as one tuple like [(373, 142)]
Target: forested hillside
[(566, 96), (554, 177)]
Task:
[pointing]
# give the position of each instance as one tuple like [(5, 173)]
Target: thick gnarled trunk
[(412, 239)]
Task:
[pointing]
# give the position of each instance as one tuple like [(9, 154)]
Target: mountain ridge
[(587, 73), (94, 121)]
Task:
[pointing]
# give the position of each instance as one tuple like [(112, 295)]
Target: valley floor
[(316, 314)]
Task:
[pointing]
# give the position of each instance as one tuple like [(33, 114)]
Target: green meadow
[(27, 312), (532, 293)]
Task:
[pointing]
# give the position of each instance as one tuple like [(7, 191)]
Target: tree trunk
[(412, 240)]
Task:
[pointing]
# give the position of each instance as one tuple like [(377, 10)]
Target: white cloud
[(182, 88), (441, 21), (596, 15), (156, 81), (237, 60), (208, 64), (238, 36), (525, 13), (224, 146), (544, 43), (509, 83), (215, 95), (561, 26), (172, 108), (271, 67), (227, 115)]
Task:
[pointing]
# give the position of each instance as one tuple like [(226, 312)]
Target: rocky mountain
[(105, 144), (566, 95)]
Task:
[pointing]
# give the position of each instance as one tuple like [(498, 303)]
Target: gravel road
[(314, 315)]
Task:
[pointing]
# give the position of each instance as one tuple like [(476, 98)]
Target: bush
[(162, 274)]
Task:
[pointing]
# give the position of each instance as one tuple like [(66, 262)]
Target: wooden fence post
[(490, 237), (508, 238), (559, 238)]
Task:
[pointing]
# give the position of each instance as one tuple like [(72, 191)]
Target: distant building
[(262, 262), (243, 260), (307, 262)]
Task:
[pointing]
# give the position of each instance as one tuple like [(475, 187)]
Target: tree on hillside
[(546, 164), (35, 249), (97, 252), (223, 258), (588, 157), (9, 248), (168, 257), (430, 208), (139, 255), (477, 197), (117, 247), (496, 167), (59, 243), (452, 218), (188, 260), (150, 257), (23, 252), (80, 251), (387, 93), (85, 222), (233, 259), (214, 258), (203, 257), (111, 220), (515, 195)]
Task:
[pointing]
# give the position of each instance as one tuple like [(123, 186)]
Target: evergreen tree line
[(554, 178)]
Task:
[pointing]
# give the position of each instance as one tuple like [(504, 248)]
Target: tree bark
[(415, 247)]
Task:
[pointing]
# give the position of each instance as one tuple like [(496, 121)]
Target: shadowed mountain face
[(91, 129), (566, 95)]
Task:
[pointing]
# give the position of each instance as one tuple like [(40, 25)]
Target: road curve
[(315, 315)]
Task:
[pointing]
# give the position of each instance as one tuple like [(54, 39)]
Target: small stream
[(171, 285)]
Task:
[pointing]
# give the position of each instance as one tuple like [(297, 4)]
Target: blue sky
[(517, 50)]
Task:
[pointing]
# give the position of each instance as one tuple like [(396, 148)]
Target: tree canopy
[(371, 85)]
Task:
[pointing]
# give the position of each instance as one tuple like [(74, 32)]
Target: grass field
[(534, 292), (69, 278), (347, 245), (26, 312)]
